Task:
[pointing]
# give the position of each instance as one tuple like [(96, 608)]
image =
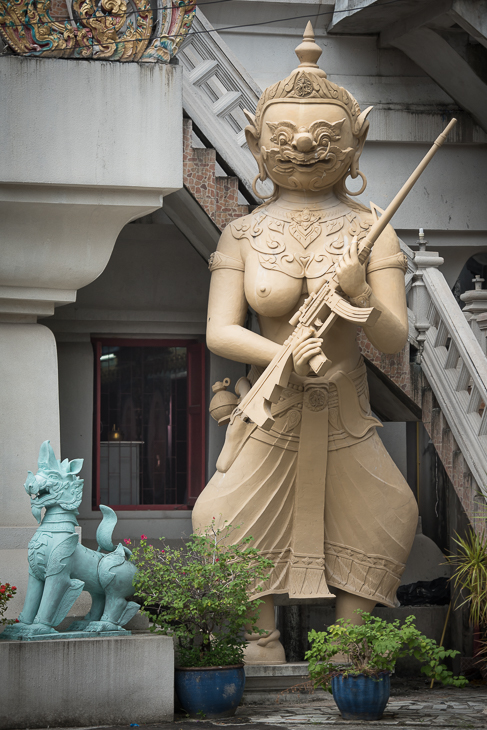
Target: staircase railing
[(216, 90), (452, 360)]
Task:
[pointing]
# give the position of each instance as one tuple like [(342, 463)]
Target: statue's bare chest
[(290, 255)]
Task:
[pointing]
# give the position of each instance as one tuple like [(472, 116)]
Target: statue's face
[(306, 146)]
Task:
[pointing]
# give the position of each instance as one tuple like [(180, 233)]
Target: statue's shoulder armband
[(219, 260), (396, 261)]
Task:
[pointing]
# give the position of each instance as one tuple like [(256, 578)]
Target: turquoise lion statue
[(60, 568)]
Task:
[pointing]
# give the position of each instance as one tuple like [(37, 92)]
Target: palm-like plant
[(470, 575)]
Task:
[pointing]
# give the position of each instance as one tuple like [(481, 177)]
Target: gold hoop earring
[(258, 195), (364, 184)]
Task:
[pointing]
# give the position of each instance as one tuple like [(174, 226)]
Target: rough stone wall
[(218, 196), (397, 367)]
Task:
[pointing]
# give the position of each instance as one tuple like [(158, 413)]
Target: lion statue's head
[(56, 483)]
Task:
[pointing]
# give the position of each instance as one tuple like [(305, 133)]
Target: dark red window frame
[(196, 413)]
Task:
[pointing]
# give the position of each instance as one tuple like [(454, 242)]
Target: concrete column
[(30, 415), (92, 146)]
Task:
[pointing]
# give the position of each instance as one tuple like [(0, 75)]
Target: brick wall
[(217, 195)]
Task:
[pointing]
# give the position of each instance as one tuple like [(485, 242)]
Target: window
[(149, 423)]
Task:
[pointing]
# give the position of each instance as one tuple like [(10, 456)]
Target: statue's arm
[(390, 333), (227, 311)]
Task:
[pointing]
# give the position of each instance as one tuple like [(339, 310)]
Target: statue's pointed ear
[(362, 124), (362, 127), (75, 466), (53, 462), (250, 118), (43, 460), (363, 116)]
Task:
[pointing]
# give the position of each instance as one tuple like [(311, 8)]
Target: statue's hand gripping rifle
[(256, 405)]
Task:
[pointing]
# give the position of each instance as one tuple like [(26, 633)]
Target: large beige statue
[(312, 483)]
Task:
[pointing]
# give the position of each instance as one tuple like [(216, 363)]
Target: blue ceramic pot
[(210, 692), (360, 697)]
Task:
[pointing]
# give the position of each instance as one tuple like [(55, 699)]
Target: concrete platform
[(83, 682), (265, 683)]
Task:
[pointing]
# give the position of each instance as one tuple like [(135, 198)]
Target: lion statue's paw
[(99, 626)]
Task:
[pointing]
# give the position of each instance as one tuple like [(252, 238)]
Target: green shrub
[(374, 647), (200, 593)]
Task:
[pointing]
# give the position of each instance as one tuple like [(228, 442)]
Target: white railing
[(216, 90), (453, 362)]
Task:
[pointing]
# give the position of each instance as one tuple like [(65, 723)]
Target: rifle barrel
[(382, 222)]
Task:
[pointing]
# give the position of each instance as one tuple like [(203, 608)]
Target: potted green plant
[(200, 594), (361, 687), (470, 579)]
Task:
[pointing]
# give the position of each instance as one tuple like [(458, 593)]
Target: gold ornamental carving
[(111, 30)]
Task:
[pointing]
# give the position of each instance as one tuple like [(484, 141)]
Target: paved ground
[(412, 705), (437, 708)]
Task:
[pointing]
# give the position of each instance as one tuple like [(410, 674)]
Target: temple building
[(122, 162)]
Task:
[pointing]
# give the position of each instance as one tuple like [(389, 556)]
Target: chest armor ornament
[(267, 236)]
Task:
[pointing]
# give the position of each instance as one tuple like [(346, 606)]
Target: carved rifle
[(256, 405)]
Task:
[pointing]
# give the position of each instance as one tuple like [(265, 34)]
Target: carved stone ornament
[(112, 30), (316, 399), (305, 227)]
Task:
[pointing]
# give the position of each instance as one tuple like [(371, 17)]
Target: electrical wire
[(215, 30)]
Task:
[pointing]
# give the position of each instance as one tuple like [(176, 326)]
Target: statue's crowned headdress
[(308, 82)]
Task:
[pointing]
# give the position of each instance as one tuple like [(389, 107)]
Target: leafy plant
[(7, 592), (373, 648), (200, 593), (470, 575)]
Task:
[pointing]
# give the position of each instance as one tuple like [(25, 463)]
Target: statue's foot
[(38, 628), (264, 649), (14, 631), (340, 658), (20, 629), (98, 626)]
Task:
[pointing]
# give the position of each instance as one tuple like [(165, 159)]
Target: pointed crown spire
[(309, 51), (308, 82)]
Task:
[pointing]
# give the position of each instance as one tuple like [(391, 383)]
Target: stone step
[(277, 683)]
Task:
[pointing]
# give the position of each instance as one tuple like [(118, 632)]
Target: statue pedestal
[(87, 682), (266, 683)]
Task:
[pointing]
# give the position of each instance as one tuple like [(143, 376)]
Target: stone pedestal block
[(86, 682)]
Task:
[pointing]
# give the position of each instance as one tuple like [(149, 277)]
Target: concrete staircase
[(217, 195), (440, 378)]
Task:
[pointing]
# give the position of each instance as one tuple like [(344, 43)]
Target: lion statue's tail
[(105, 530)]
